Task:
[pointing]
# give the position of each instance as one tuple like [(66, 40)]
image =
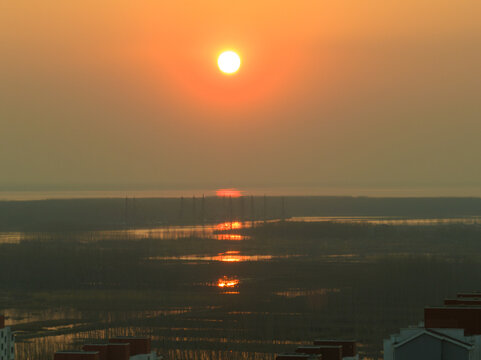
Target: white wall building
[(419, 343), (7, 341)]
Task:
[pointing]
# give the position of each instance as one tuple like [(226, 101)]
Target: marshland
[(245, 286)]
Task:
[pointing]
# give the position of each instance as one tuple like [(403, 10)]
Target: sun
[(229, 62)]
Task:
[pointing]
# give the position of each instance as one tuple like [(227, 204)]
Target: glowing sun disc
[(228, 62)]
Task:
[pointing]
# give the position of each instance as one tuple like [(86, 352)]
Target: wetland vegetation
[(283, 283)]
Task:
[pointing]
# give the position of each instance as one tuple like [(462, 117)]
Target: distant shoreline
[(138, 212), (445, 192)]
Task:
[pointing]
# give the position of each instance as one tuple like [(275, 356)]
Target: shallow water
[(390, 220), (226, 231), (227, 257), (247, 299)]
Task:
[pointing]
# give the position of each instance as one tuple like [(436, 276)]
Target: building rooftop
[(76, 352), (449, 307), (294, 355)]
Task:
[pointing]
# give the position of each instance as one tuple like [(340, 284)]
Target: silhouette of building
[(449, 332), (329, 352), (76, 355), (349, 348), (432, 344), (297, 356), (324, 350), (118, 348), (7, 341)]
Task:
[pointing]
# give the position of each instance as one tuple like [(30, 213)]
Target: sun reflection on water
[(227, 282), (235, 237), (229, 225), (234, 256), (227, 257)]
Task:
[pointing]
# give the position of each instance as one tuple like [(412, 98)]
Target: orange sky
[(341, 93)]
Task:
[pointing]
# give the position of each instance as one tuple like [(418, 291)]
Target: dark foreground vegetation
[(323, 280)]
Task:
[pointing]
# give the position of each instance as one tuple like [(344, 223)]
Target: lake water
[(218, 231)]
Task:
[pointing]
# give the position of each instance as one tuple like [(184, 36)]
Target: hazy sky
[(333, 92)]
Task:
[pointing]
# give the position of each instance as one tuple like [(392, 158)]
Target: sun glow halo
[(228, 62)]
